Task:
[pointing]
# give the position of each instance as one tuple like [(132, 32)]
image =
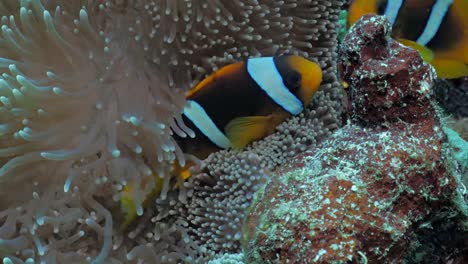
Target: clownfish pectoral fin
[(182, 173), (345, 84), (127, 202), (426, 53), (450, 69), (243, 130), (127, 206)]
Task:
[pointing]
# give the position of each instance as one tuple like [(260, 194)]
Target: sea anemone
[(77, 113), (209, 222), (90, 94), (75, 101)]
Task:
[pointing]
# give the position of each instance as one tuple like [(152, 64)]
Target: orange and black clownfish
[(236, 105), (246, 101), (438, 29)]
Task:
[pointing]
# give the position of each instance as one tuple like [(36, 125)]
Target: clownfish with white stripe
[(438, 29), (236, 105), (246, 101)]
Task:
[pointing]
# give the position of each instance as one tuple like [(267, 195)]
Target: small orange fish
[(438, 29), (238, 104)]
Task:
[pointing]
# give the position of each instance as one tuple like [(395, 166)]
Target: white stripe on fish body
[(195, 113), (264, 72), (392, 9), (438, 12)]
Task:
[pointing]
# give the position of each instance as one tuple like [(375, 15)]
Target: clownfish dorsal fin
[(426, 53), (243, 130), (449, 69)]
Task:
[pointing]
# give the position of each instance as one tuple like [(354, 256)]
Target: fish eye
[(293, 80)]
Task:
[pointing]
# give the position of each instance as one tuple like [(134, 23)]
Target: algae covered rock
[(365, 193)]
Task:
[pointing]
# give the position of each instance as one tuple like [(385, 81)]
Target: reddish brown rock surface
[(365, 193), (388, 81)]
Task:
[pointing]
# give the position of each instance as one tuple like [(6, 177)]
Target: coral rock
[(360, 195), (365, 192), (388, 81)]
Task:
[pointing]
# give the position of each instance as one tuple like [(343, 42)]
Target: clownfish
[(246, 101), (238, 104), (438, 29)]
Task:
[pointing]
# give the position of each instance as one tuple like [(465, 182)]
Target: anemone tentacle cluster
[(213, 213), (75, 112), (90, 94), (69, 94)]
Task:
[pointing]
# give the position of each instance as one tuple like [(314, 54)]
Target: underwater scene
[(233, 131)]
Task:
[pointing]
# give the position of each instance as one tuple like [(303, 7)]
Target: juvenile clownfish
[(236, 105), (438, 29)]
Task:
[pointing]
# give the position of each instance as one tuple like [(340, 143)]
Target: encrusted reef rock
[(366, 192), (392, 81)]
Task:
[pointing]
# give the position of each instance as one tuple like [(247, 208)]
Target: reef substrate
[(383, 189)]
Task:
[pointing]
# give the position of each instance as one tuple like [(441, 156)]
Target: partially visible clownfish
[(238, 104), (438, 29)]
